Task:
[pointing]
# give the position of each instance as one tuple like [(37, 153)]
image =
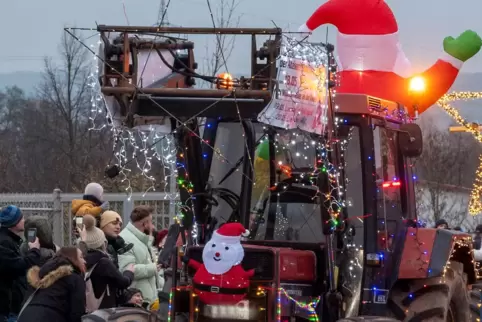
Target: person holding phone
[(14, 266), (39, 227)]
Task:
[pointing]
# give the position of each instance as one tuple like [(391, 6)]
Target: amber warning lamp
[(417, 87), (225, 81)]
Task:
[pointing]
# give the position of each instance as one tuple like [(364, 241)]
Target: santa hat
[(354, 17), (230, 233)]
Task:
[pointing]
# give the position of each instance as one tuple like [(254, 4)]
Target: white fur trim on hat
[(457, 63), (246, 233), (226, 239)]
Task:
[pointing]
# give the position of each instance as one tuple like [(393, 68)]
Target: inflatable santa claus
[(371, 60), (221, 279)]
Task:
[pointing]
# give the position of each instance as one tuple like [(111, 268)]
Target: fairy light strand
[(475, 204)]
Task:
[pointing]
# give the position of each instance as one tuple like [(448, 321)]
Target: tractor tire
[(368, 319), (437, 299), (475, 301)]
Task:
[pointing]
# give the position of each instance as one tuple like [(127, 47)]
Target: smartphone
[(32, 235), (79, 222)]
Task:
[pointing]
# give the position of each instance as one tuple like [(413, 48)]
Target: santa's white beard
[(227, 257)]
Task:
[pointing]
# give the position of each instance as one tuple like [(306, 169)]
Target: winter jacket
[(89, 205), (106, 273), (45, 253), (60, 296), (160, 275), (145, 274), (13, 270)]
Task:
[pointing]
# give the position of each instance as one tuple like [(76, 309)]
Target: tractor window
[(296, 214), (292, 213), (354, 184), (229, 147), (388, 183)]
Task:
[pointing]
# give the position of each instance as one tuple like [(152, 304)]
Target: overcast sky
[(32, 28)]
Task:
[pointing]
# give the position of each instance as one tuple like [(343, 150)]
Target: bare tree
[(445, 170), (64, 91), (217, 55), (46, 141)]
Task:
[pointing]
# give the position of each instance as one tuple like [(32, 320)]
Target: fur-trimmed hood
[(50, 273)]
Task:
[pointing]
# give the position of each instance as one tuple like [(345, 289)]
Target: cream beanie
[(109, 216), (95, 237), (96, 190)]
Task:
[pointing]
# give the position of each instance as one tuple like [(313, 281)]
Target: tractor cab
[(328, 212)]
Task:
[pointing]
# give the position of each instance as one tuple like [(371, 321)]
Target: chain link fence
[(56, 207)]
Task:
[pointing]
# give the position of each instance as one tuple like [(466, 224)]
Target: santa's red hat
[(354, 17), (230, 233)]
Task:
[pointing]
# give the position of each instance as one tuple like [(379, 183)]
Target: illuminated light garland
[(261, 291), (129, 145), (459, 242), (475, 204), (309, 306)]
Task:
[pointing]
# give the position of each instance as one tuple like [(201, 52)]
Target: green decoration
[(464, 46)]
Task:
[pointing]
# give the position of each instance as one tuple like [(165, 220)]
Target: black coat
[(13, 269), (60, 296), (106, 273)]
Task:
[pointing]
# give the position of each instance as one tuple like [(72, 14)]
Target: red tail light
[(391, 184)]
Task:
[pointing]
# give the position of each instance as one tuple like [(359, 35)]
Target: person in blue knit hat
[(14, 266)]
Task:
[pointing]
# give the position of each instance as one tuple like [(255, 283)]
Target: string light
[(260, 292), (475, 204), (445, 101)]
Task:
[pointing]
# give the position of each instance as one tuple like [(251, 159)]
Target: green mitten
[(464, 46)]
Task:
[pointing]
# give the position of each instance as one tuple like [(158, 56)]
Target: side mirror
[(410, 140)]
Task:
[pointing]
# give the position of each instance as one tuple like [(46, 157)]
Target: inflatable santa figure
[(371, 60), (220, 279)]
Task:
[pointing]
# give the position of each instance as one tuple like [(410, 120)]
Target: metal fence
[(57, 208)]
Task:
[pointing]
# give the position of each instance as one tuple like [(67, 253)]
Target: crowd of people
[(110, 265)]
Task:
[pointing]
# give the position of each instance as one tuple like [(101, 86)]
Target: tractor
[(350, 250)]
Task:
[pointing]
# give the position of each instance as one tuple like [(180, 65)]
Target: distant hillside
[(25, 80)]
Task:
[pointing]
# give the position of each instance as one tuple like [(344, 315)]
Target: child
[(92, 202), (133, 298)]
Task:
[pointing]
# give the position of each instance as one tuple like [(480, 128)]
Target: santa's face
[(219, 256)]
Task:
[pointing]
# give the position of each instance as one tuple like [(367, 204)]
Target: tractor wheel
[(475, 301), (437, 299)]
